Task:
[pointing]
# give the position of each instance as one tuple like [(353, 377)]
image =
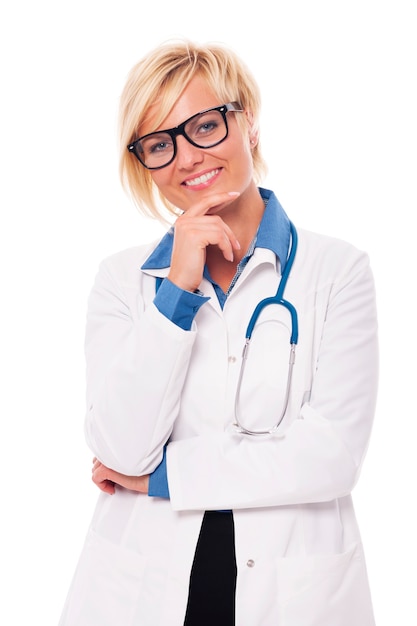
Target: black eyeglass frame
[(180, 130)]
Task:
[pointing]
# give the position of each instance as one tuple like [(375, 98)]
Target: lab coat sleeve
[(137, 361), (318, 456)]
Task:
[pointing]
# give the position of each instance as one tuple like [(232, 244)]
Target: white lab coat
[(298, 549)]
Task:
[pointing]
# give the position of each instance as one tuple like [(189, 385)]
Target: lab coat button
[(250, 563), (232, 359)]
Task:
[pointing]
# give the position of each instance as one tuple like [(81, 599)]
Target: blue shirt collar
[(273, 234)]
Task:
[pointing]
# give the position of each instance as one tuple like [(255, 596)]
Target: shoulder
[(329, 256), (124, 260), (125, 265), (325, 243)]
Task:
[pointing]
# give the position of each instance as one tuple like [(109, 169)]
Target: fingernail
[(234, 193)]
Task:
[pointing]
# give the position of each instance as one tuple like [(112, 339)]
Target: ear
[(253, 138), (252, 129)]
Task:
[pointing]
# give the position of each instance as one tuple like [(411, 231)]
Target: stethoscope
[(277, 299)]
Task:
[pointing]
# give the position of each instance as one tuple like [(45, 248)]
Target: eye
[(206, 127), (157, 144), (161, 146)]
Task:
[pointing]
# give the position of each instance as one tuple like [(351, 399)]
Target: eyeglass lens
[(203, 130)]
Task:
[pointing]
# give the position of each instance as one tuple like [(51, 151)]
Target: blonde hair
[(159, 78)]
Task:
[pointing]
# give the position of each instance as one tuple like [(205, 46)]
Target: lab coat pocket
[(106, 586), (329, 590)]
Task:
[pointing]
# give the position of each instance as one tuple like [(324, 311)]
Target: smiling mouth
[(201, 179)]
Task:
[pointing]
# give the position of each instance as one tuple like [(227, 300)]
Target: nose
[(187, 154)]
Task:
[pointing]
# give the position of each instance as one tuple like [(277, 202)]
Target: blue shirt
[(182, 306)]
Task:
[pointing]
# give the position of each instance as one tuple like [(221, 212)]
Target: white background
[(339, 132)]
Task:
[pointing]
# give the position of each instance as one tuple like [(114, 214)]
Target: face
[(195, 172)]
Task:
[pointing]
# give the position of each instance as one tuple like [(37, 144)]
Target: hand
[(194, 231), (106, 479)]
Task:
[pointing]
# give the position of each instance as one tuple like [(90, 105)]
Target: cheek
[(245, 159), (164, 182), (160, 178), (242, 146)]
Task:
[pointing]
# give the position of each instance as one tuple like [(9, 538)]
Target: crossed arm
[(106, 479)]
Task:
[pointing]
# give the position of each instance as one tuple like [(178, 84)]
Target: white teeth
[(201, 179)]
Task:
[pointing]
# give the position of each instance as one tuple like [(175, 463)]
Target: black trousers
[(211, 599)]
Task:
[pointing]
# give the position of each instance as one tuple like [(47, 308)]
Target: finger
[(101, 475), (226, 246), (231, 237), (105, 485), (211, 202), (96, 464), (215, 231), (204, 231)]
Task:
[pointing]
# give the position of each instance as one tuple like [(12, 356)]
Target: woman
[(226, 500)]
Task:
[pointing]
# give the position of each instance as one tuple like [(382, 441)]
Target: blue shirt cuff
[(178, 305), (158, 480)]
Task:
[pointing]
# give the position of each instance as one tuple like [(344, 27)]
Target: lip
[(202, 180)]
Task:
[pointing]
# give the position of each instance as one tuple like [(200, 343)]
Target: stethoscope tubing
[(279, 300)]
